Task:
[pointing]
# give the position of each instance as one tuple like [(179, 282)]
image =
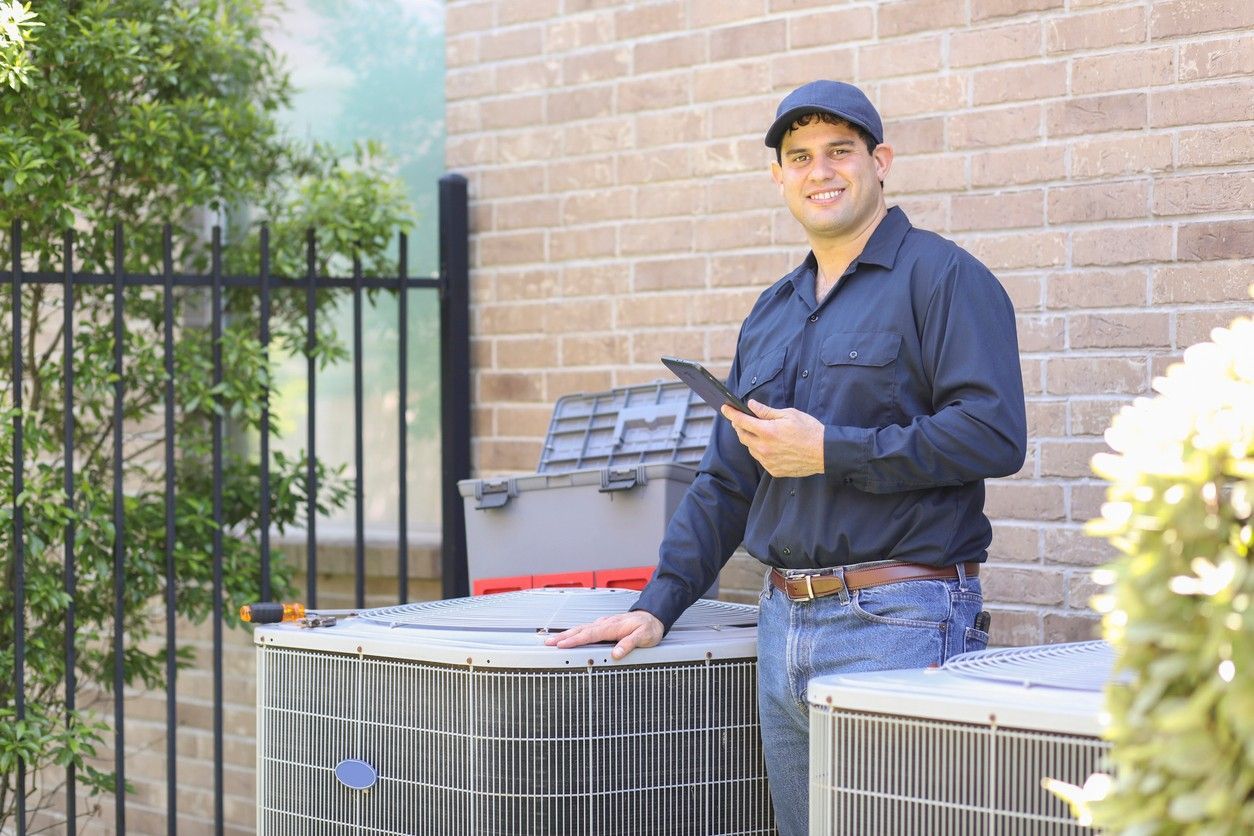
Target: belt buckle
[(809, 587)]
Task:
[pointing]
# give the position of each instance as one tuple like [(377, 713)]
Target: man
[(883, 374)]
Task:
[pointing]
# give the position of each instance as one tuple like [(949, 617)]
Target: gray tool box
[(614, 467)]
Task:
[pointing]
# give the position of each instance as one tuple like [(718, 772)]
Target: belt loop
[(844, 586), (962, 576)]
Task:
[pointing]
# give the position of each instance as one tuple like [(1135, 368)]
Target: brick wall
[(1097, 155)]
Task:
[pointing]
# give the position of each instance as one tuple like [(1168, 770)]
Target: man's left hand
[(787, 442)]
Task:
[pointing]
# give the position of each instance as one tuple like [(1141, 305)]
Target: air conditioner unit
[(959, 749), (453, 717)]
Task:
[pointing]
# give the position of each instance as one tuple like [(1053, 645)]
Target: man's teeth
[(827, 195)]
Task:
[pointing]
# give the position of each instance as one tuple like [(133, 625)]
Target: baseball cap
[(834, 97)]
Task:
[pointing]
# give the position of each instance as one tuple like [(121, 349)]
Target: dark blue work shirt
[(912, 364)]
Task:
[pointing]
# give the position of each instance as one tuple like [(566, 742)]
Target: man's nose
[(822, 168)]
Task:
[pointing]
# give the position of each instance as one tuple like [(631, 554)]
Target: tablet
[(709, 387)]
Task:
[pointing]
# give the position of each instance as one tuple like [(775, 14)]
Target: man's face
[(830, 181)]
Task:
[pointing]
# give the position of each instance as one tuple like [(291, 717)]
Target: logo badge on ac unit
[(356, 774)]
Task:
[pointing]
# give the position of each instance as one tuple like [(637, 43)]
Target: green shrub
[(1178, 606)]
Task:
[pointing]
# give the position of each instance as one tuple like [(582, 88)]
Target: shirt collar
[(880, 250)]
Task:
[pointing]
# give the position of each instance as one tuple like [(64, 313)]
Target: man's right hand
[(630, 629)]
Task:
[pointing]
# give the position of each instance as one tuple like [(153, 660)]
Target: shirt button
[(805, 373), (792, 492), (755, 380), (853, 355), (814, 317), (787, 551)]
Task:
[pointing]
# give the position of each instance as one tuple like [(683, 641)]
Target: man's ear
[(883, 156), (777, 174)]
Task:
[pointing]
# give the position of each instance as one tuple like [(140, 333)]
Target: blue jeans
[(911, 624)]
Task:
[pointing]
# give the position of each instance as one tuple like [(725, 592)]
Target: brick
[(461, 51), (1086, 502), (462, 117), (1095, 30), (986, 9), (1018, 166), (724, 81), (582, 242), (748, 269), (591, 279), (1014, 544), (668, 199), (739, 192), (503, 44), (793, 5), (761, 38), (462, 151), (1019, 501), (668, 128), (906, 16), (507, 319), (1020, 249), (1116, 157), (996, 44), (1006, 210), (573, 316), (1224, 102), (701, 15), (596, 350), (1102, 201), (1201, 194), (929, 94), (741, 119), (1095, 376), (925, 212), (916, 136), (1029, 82), (464, 17), (1219, 58), (1121, 245), (508, 386), (518, 146), (1024, 291), (575, 32), (1041, 333), (523, 214), (655, 165), (1123, 70), (726, 306), (1202, 282), (602, 205), (1215, 240), (1097, 289), (653, 92), (930, 173), (1023, 586), (920, 55), (1092, 416), (1071, 546), (649, 19), (558, 383), (523, 420), (798, 67), (1216, 146), (1097, 114), (592, 137), (469, 83), (1159, 363), (1046, 419), (729, 156), (652, 310), (730, 232), (525, 353), (832, 28), (669, 273), (522, 11), (526, 285), (596, 65), (1070, 459), (1068, 627), (687, 50), (648, 346), (1191, 17), (1194, 327), (512, 248), (596, 173), (513, 112), (590, 102), (1033, 374), (994, 128), (1013, 627)]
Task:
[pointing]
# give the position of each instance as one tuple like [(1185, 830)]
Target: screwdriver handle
[(271, 612)]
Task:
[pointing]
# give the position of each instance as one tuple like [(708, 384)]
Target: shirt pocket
[(762, 379), (857, 383)]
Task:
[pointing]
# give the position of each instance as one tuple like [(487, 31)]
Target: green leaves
[(1178, 609)]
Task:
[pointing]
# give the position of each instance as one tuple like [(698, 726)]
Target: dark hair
[(827, 119)]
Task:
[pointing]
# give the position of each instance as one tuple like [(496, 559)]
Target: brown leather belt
[(809, 587)]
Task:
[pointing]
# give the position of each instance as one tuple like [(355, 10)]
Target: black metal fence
[(452, 288)]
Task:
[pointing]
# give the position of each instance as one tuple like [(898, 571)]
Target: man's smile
[(827, 196)]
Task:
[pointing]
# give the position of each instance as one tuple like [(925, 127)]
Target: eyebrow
[(839, 143)]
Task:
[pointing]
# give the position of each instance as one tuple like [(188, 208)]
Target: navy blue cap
[(834, 97)]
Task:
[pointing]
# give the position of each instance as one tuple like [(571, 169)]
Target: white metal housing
[(959, 749), (452, 717)]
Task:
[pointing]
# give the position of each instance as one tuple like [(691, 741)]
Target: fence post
[(454, 378)]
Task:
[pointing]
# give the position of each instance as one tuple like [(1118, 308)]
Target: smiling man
[(883, 373)]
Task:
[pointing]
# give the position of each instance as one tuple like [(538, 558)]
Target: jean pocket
[(908, 604), (974, 639)]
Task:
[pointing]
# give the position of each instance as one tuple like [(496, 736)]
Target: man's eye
[(800, 158)]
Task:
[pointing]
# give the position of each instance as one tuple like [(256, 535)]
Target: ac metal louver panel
[(499, 743), (957, 750)]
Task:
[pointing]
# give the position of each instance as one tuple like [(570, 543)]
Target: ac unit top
[(508, 631)]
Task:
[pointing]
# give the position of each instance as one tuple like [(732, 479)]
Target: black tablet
[(709, 387)]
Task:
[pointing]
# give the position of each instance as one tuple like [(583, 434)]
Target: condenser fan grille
[(653, 749), (1078, 666)]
